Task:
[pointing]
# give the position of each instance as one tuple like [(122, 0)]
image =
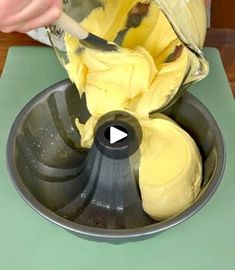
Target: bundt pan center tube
[(89, 192)]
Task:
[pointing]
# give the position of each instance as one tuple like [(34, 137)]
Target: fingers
[(26, 15), (45, 19)]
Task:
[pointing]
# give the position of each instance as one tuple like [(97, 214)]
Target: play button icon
[(116, 134)]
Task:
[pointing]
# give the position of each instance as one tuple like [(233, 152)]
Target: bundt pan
[(88, 192)]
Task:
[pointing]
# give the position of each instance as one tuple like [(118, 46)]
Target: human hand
[(25, 15)]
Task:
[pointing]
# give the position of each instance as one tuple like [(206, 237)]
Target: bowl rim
[(102, 232)]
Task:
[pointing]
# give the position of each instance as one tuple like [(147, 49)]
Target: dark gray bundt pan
[(76, 188)]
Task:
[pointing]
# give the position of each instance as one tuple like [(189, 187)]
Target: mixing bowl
[(187, 26), (58, 178)]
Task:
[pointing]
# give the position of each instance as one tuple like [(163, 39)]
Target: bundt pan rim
[(100, 233)]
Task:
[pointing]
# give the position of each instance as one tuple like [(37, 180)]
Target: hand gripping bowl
[(72, 187)]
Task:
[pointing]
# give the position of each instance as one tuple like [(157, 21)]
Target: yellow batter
[(170, 169), (140, 78), (149, 49)]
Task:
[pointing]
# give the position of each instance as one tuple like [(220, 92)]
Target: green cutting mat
[(29, 242)]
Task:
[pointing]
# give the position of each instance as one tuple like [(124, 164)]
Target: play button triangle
[(116, 135)]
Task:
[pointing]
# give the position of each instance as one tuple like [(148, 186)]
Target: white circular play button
[(116, 134)]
